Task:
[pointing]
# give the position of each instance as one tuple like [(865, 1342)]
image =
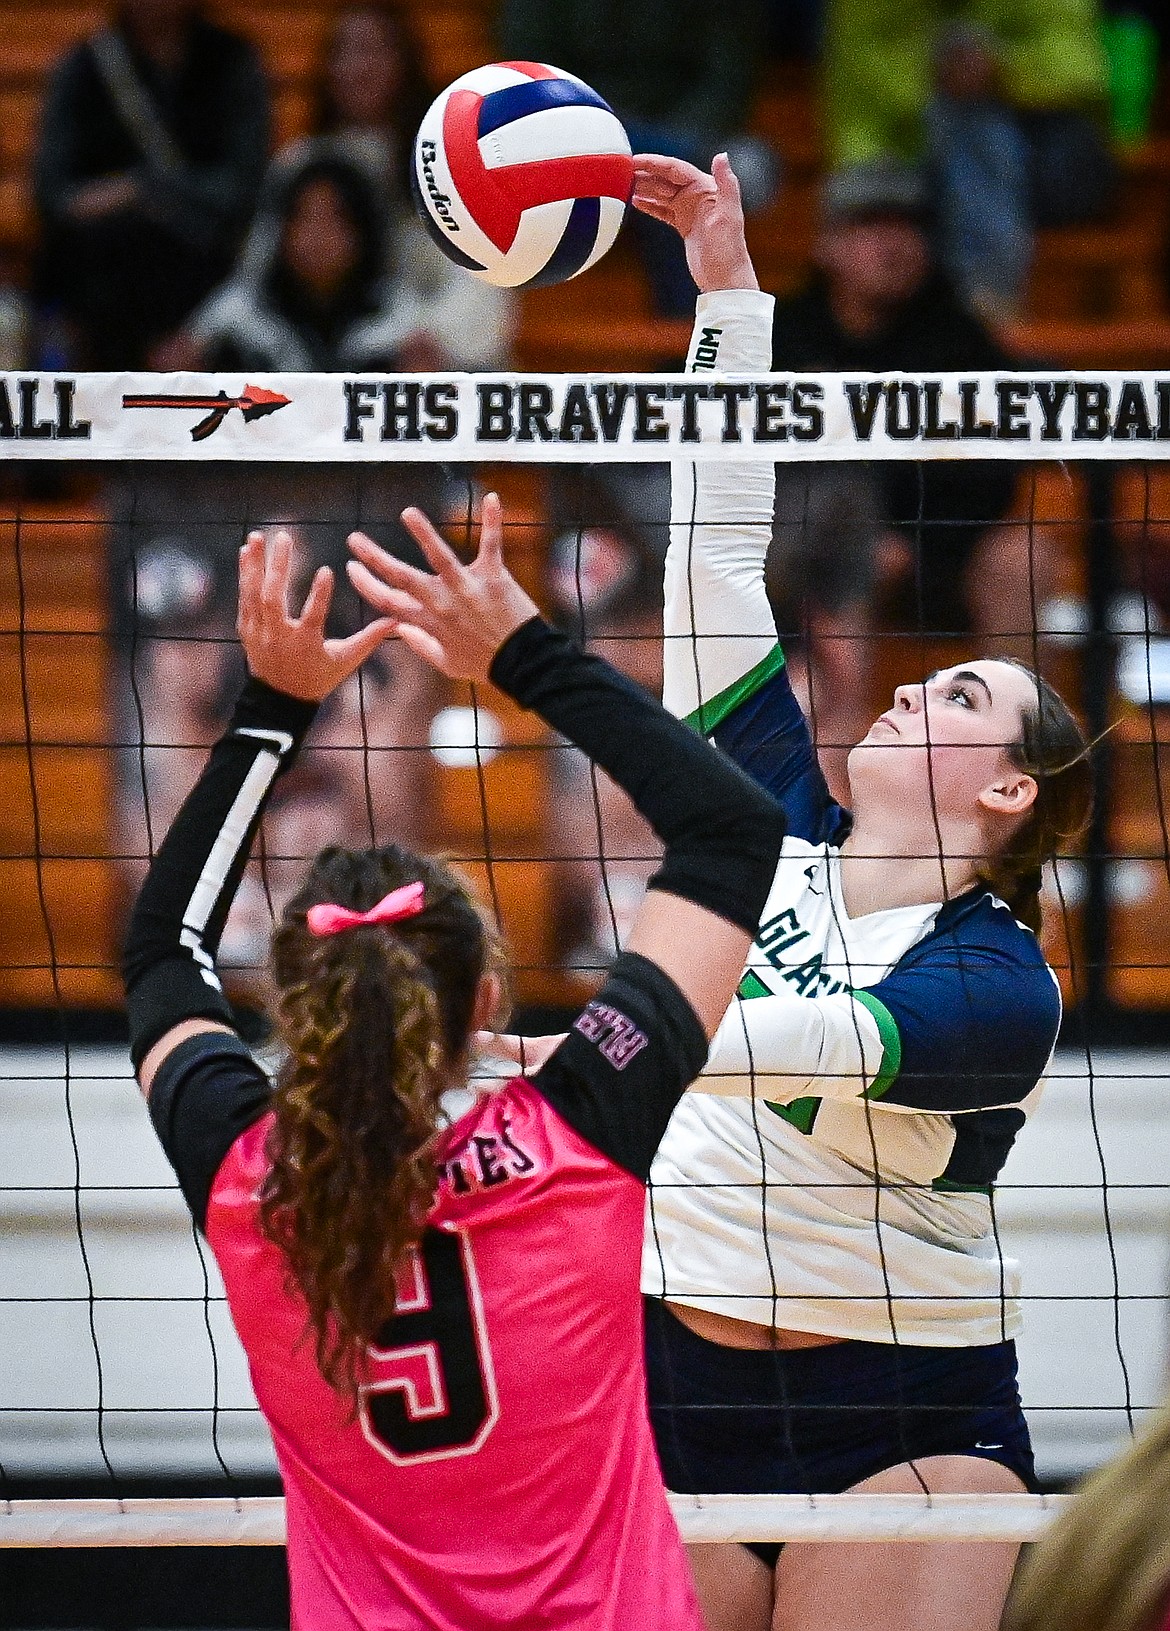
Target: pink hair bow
[(399, 903)]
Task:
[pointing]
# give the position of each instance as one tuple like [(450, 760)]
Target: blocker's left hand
[(287, 651), (457, 617)]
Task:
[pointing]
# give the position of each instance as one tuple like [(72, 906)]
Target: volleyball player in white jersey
[(822, 1246), (827, 1304)]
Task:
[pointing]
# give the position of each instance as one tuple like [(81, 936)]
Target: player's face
[(942, 748), (882, 259)]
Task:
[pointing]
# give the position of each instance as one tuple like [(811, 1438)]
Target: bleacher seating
[(1096, 300), (1096, 296)]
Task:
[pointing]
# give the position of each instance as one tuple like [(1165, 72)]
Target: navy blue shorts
[(802, 1421)]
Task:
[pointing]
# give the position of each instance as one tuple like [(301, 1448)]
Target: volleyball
[(521, 174)]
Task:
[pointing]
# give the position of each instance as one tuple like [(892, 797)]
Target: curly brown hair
[(376, 1022)]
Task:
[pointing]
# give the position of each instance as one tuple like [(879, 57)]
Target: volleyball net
[(918, 520)]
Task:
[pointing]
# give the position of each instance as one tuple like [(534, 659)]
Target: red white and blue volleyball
[(522, 174)]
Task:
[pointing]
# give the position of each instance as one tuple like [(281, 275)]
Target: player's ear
[(1012, 794), (489, 995)]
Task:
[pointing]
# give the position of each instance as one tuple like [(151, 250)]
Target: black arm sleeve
[(722, 831), (631, 1054), (168, 963), (207, 1092)]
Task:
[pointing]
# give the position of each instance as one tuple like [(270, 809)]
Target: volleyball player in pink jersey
[(443, 1323)]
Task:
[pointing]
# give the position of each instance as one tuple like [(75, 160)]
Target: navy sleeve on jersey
[(207, 1092), (768, 736), (632, 1053), (970, 1018)]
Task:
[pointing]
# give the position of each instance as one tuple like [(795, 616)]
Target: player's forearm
[(168, 964), (721, 831), (717, 623)]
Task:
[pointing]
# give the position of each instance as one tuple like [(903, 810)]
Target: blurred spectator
[(338, 270), (877, 302), (827, 544), (174, 546), (153, 141), (878, 65), (605, 587), (680, 74), (1105, 1565), (321, 283), (371, 89), (370, 86), (1021, 88), (979, 161)]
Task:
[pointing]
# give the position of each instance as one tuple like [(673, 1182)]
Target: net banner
[(549, 418)]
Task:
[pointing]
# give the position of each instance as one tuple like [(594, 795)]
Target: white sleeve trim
[(230, 837), (717, 623)]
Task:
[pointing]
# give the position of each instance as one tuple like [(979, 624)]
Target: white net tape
[(259, 1520), (554, 418)]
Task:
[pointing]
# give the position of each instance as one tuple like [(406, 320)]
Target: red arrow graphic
[(254, 402)]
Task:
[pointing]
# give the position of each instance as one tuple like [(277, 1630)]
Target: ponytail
[(1053, 750), (374, 1020)]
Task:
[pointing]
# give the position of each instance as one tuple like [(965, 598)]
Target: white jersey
[(832, 1170)]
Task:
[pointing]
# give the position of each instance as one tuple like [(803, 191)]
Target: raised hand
[(705, 210), (457, 618), (289, 652)]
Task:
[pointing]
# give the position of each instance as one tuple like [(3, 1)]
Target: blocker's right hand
[(457, 619), (705, 210)]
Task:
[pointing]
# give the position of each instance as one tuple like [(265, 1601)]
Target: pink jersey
[(501, 1470)]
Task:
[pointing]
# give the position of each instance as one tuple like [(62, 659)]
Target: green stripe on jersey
[(891, 1045), (947, 1186), (801, 1113), (708, 716)]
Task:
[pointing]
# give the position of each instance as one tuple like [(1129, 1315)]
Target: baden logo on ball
[(522, 174)]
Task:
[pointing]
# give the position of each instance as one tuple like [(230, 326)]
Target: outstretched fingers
[(387, 568), (427, 646), (277, 569), (726, 180), (251, 580), (456, 617), (441, 558), (657, 170), (317, 601), (651, 206), (352, 652), (384, 597), (491, 533)]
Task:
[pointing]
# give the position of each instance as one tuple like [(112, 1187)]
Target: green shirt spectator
[(878, 65)]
